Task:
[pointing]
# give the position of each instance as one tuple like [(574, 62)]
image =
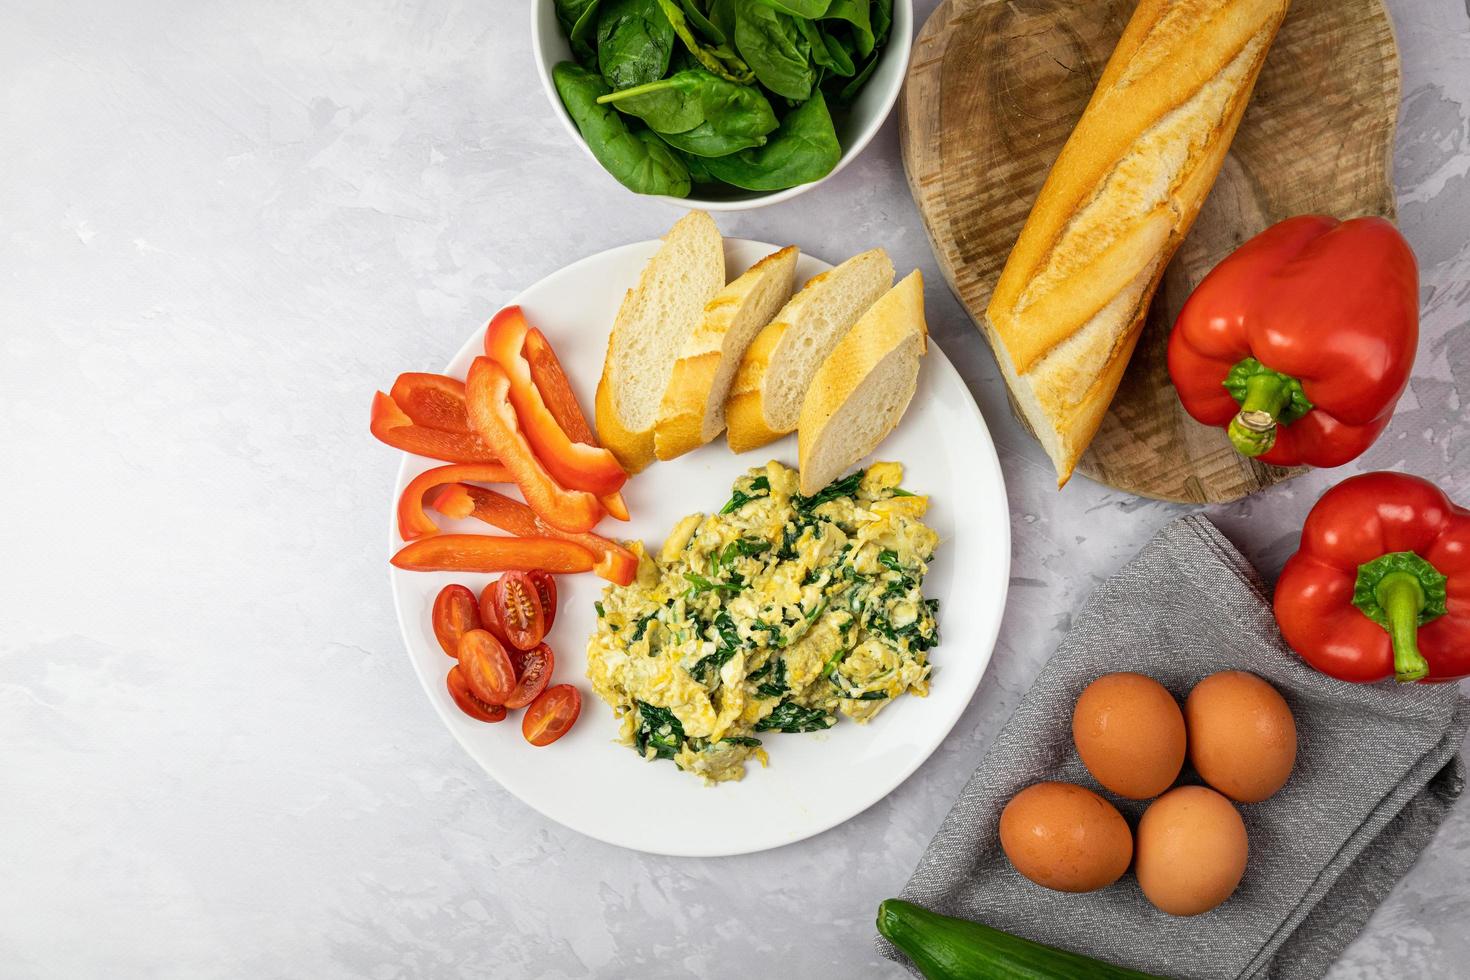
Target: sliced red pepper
[(412, 521), (574, 464), (494, 418), (432, 400), (556, 391), (486, 553), (390, 424), (614, 562)]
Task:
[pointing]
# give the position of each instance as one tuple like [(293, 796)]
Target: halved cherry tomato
[(518, 607), (533, 673), (483, 553), (490, 617), (556, 391), (431, 400), (552, 714), (465, 699), (614, 562), (545, 584), (456, 612), (494, 419), (487, 668), (391, 425), (575, 465), (412, 521)]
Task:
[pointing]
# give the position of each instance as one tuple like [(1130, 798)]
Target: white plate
[(591, 784)]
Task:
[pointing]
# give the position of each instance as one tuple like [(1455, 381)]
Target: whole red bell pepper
[(1381, 585), (1300, 343)]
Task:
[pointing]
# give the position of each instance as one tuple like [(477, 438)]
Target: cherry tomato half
[(533, 672), (487, 668), (545, 583), (518, 608), (455, 613), (552, 714), (479, 710), (489, 618)]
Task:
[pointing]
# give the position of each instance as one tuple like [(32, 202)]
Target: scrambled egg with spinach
[(778, 614)]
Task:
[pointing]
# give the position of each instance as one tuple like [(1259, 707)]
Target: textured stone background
[(222, 225)]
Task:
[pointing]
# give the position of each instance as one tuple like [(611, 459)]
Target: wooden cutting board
[(993, 91)]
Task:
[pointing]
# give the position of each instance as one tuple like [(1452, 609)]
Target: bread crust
[(1118, 201)]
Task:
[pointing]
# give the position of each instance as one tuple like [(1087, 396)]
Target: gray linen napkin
[(1376, 773)]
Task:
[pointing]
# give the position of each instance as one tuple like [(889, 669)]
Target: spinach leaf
[(698, 172), (668, 105), (804, 148), (634, 41), (757, 488), (776, 686), (642, 627), (718, 59), (888, 558), (831, 51), (856, 13), (745, 740), (699, 584), (773, 46), (578, 19), (810, 9), (705, 141), (659, 728), (702, 23), (722, 16), (867, 696), (697, 103), (601, 612), (881, 16), (638, 159), (851, 89), (792, 717), (836, 490)]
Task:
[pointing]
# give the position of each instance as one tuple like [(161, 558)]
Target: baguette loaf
[(1070, 303), (656, 319), (863, 387), (693, 409), (765, 398)]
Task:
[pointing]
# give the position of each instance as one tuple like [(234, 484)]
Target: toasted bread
[(864, 386), (655, 322), (766, 396), (693, 408)]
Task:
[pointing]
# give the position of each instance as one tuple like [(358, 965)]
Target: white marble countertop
[(224, 224)]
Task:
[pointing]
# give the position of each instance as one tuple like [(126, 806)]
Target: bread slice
[(765, 398), (693, 408), (1070, 303), (653, 325), (864, 386)]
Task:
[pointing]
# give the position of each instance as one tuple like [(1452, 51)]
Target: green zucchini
[(945, 948)]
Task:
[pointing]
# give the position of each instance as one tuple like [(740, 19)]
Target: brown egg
[(1242, 739), (1130, 734), (1191, 850), (1065, 837)]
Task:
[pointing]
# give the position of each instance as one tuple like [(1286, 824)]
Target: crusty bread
[(1069, 305), (765, 398), (864, 386), (656, 319), (693, 408)]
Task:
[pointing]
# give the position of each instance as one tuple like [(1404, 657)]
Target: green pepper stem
[(1253, 430), (1402, 599)]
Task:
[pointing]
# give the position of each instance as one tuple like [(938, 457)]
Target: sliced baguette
[(693, 408), (864, 386), (654, 323), (1070, 303), (766, 396)]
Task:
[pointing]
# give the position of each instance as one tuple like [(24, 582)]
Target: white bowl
[(856, 124)]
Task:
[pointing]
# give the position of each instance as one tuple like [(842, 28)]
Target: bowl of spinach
[(722, 104)]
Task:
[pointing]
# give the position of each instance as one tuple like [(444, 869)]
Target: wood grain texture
[(993, 91)]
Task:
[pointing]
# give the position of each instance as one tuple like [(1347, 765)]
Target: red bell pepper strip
[(392, 426), (1381, 585), (575, 465), (614, 562), (485, 553), (412, 521), (556, 391), (1300, 343), (488, 395), (431, 400)]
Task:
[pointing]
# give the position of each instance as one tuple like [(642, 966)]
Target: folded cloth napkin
[(1376, 772)]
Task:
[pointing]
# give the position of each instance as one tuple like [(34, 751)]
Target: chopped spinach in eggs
[(778, 614)]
